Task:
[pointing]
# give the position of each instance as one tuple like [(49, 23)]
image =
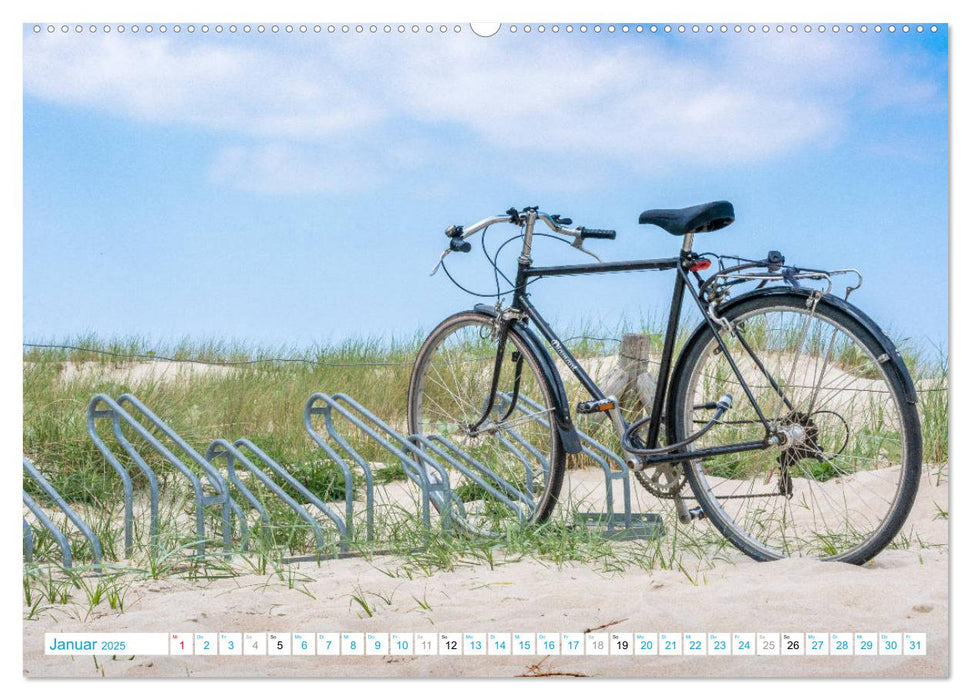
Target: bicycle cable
[(494, 262), (495, 266)]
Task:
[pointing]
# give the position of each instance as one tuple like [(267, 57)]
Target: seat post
[(689, 239)]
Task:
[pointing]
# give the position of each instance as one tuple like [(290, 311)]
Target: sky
[(293, 189)]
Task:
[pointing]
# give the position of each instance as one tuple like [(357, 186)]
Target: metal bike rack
[(421, 457), (625, 525), (427, 462), (499, 488), (129, 411), (52, 493), (28, 542), (49, 525), (432, 484), (245, 454)]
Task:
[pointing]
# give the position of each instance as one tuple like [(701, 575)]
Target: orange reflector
[(700, 265), (606, 406)]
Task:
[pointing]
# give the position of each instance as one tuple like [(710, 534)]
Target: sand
[(902, 590), (135, 373)]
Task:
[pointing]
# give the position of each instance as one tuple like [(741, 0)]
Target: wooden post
[(633, 370)]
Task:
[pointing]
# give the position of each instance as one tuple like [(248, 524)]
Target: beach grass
[(259, 393)]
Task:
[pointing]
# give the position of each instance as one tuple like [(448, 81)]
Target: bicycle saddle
[(697, 219)]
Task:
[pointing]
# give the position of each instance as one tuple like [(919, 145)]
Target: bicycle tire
[(855, 383), (445, 403)]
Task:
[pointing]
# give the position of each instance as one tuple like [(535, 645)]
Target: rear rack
[(775, 271)]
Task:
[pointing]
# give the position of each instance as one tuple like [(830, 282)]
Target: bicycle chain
[(670, 493)]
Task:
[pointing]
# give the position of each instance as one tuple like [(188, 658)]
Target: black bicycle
[(788, 412)]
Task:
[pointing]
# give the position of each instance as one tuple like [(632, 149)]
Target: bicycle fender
[(891, 355), (561, 404)]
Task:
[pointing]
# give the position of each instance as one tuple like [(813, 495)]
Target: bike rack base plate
[(643, 526)]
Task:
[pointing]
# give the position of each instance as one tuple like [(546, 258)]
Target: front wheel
[(511, 460), (843, 481)]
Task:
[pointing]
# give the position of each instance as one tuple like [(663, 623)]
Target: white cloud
[(168, 80), (729, 100), (318, 107)]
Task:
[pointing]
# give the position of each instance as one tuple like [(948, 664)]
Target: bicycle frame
[(523, 309), (772, 322)]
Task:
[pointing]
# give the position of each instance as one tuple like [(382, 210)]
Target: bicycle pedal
[(596, 406)]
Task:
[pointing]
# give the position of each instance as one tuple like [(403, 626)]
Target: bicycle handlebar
[(554, 222), (459, 234)]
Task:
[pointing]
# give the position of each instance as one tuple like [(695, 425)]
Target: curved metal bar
[(213, 475), (849, 271), (28, 542), (50, 527), (154, 443), (415, 471), (215, 479), (213, 453), (67, 510), (153, 491), (232, 453), (509, 489), (310, 410), (589, 446), (243, 443), (93, 414)]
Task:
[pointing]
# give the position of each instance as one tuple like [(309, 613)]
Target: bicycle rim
[(512, 462), (842, 485)]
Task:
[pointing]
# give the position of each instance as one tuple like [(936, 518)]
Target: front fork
[(503, 337)]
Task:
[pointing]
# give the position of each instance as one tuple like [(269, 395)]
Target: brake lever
[(440, 260), (578, 244)]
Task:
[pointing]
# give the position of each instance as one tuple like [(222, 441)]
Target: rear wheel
[(513, 461), (844, 481)]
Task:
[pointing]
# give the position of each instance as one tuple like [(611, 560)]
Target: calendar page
[(312, 387)]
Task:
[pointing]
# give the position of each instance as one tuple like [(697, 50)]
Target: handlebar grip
[(597, 233)]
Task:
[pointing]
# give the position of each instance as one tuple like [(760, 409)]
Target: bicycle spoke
[(451, 392), (837, 481)]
